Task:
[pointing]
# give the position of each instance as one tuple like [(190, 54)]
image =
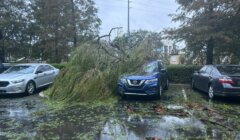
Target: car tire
[(167, 85), (30, 88), (123, 97), (193, 84), (160, 91), (210, 92)]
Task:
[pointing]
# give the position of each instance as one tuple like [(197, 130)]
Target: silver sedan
[(26, 78)]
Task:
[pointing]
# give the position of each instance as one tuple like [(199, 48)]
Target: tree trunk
[(2, 50), (74, 25), (210, 45), (56, 56)]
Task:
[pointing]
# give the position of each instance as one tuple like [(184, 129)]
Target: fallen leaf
[(160, 109)]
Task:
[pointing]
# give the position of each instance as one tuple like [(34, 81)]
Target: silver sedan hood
[(8, 77)]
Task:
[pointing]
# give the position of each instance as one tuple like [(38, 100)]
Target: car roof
[(219, 65), (31, 64)]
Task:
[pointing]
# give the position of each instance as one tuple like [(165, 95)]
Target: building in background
[(173, 52)]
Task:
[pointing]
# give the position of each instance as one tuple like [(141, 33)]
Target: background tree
[(64, 24), (208, 25), (49, 29), (13, 23)]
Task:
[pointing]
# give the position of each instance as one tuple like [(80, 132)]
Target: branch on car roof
[(118, 48)]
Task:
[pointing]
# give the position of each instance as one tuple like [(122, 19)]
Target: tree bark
[(2, 50), (210, 45), (74, 25)]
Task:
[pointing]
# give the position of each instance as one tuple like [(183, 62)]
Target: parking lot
[(181, 114)]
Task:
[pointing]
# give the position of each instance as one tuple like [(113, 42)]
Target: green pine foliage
[(92, 74)]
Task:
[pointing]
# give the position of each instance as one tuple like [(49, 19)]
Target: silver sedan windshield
[(20, 70)]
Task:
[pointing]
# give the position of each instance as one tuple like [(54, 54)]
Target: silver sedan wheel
[(210, 92), (30, 88)]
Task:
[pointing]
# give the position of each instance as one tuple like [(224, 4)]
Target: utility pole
[(128, 17)]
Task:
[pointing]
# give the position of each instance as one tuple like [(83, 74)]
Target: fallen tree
[(94, 69)]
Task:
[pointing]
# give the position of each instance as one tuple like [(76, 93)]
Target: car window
[(41, 68), (151, 67), (229, 70), (161, 65), (209, 70), (48, 68), (203, 70), (215, 72)]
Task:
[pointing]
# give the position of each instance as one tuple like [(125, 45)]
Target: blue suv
[(150, 80)]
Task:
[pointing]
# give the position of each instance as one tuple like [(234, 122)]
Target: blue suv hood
[(138, 77)]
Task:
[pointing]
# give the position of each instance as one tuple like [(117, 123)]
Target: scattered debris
[(152, 138), (216, 123), (160, 109), (184, 94), (193, 106), (175, 107), (129, 108), (41, 94)]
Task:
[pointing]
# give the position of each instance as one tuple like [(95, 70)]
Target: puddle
[(17, 113), (169, 118), (167, 127)]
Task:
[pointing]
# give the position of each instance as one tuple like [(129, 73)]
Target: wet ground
[(181, 114)]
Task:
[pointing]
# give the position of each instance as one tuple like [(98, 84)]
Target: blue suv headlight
[(151, 81)]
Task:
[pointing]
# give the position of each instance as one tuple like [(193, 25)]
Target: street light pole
[(128, 17)]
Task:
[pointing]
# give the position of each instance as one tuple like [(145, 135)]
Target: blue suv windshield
[(150, 68)]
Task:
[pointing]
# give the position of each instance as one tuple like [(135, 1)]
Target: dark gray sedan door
[(197, 77), (205, 79)]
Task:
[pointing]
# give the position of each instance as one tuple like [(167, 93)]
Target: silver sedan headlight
[(18, 81)]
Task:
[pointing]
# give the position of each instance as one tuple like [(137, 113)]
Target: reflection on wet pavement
[(20, 108), (180, 114), (167, 127)]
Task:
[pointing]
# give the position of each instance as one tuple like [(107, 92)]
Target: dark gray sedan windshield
[(20, 70)]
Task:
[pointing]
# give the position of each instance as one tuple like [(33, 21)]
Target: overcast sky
[(144, 14)]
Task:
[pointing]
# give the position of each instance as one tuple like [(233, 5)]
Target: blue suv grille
[(135, 83)]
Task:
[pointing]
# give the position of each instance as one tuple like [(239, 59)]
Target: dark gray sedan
[(26, 78), (221, 80)]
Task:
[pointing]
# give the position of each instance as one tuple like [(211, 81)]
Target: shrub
[(181, 73), (59, 65)]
